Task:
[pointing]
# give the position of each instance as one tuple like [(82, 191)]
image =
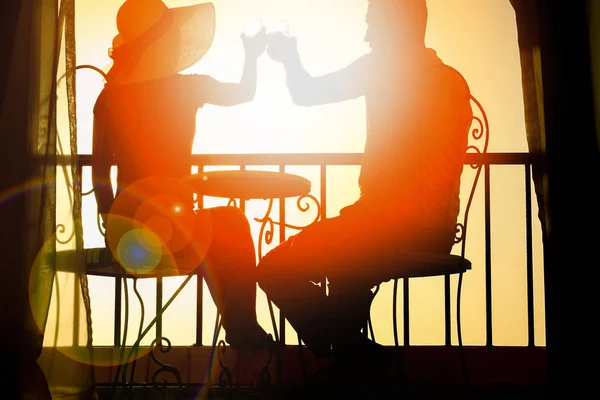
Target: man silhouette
[(418, 117)]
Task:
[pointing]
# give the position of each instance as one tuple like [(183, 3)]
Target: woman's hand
[(255, 45)]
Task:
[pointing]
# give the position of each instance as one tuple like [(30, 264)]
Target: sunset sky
[(477, 37)]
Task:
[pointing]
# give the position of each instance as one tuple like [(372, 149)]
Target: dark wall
[(9, 16), (594, 21), (14, 170), (570, 250)]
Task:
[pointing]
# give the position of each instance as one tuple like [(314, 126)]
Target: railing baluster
[(159, 305), (406, 308), (488, 258), (243, 201), (323, 160), (118, 311), (199, 313), (199, 287), (281, 239), (528, 221), (323, 190), (447, 312)]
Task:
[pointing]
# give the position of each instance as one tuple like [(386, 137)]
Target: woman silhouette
[(145, 122)]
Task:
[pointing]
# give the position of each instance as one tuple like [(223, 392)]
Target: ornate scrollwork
[(163, 368), (101, 228), (232, 203), (225, 376), (479, 137), (268, 225), (265, 373), (477, 133), (305, 208), (266, 228), (61, 229), (460, 232)]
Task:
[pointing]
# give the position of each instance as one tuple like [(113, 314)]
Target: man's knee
[(272, 268)]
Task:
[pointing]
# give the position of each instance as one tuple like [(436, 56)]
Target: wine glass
[(280, 26), (252, 26)]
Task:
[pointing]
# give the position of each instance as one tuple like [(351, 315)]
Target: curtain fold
[(554, 38), (44, 312), (19, 333), (76, 173), (593, 9), (68, 364), (526, 13)]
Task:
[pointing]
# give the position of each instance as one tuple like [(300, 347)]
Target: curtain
[(531, 70), (19, 335), (557, 73), (47, 310), (593, 8), (557, 78)]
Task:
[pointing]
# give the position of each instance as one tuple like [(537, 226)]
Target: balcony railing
[(322, 161)]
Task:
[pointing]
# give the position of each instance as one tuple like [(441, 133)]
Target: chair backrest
[(476, 150)]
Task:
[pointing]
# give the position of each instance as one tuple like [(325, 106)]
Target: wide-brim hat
[(155, 41)]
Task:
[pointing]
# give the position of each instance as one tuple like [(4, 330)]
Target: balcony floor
[(327, 391), (423, 372)]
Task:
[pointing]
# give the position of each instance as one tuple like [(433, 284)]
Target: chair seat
[(99, 261), (407, 265)]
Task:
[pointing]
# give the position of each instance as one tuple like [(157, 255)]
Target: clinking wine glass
[(252, 27), (280, 26)]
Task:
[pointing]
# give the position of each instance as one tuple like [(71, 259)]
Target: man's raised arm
[(344, 84)]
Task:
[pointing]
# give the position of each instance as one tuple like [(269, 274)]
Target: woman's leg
[(230, 273)]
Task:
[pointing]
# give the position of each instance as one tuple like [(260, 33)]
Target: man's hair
[(414, 10)]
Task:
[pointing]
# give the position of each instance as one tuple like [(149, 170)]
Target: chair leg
[(121, 365), (395, 325), (277, 343), (140, 329), (459, 332), (369, 324), (217, 330), (213, 348), (302, 360), (370, 327)]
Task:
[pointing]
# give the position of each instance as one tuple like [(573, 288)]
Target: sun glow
[(476, 37)]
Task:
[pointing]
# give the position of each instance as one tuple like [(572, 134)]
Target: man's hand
[(255, 45), (281, 47)]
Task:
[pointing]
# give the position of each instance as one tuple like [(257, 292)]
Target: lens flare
[(53, 278), (161, 227), (139, 251), (153, 211), (169, 218)]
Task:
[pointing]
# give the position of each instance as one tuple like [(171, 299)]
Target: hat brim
[(184, 43)]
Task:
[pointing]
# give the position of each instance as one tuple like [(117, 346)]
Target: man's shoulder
[(448, 79)]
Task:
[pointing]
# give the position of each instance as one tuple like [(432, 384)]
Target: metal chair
[(426, 265), (99, 261)]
